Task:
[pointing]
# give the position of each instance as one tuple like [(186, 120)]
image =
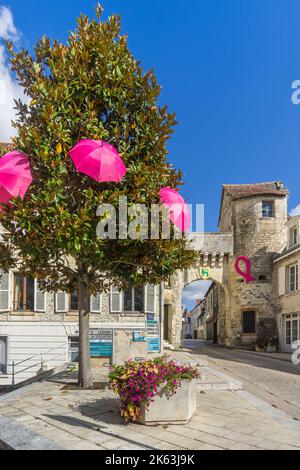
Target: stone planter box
[(175, 409)]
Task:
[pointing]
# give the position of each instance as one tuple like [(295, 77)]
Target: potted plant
[(261, 342), (155, 390), (272, 345), (266, 343)]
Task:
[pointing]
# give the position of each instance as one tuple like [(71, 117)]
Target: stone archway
[(215, 275), (215, 251)]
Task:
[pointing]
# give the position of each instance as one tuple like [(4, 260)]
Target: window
[(293, 278), (292, 328), (3, 355), (74, 300), (267, 209), (134, 300), (249, 322), (288, 333), (293, 236), (73, 348), (4, 292), (23, 296)]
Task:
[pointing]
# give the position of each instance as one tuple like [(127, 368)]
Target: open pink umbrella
[(179, 211), (15, 176), (99, 160)]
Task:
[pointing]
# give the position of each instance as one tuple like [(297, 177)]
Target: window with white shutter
[(115, 300), (150, 298), (61, 302), (281, 280), (4, 292), (39, 298), (96, 303)]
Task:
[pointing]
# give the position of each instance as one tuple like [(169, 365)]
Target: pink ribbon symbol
[(247, 274)]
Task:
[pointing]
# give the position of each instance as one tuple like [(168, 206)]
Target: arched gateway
[(215, 256)]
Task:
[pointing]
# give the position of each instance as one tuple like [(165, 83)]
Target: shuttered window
[(115, 300), (249, 322), (281, 280), (39, 298), (61, 302), (96, 303), (150, 298), (4, 292)]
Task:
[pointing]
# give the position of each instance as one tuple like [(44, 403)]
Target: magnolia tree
[(89, 88)]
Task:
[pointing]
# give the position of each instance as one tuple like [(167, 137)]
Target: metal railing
[(13, 365)]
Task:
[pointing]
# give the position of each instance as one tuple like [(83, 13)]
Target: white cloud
[(295, 211), (9, 88), (195, 290)]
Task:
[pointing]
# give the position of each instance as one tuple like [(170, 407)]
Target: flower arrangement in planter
[(139, 384), (266, 343)]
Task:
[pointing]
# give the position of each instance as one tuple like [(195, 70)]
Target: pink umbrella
[(99, 160), (15, 176), (179, 211)]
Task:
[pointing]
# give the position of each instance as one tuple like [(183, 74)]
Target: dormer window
[(293, 236), (267, 209)]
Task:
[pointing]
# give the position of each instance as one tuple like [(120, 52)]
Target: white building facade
[(40, 330), (287, 270)]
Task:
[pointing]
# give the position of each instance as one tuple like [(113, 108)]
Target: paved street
[(273, 380), (45, 415)]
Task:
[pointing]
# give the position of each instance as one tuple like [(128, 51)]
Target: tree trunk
[(85, 372)]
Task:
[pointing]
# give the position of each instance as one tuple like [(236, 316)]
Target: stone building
[(202, 332), (252, 223), (41, 329), (287, 269), (187, 332), (195, 313)]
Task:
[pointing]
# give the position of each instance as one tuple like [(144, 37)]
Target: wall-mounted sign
[(204, 273), (101, 342), (153, 336), (138, 336)]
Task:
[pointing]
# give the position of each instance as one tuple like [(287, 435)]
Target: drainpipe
[(161, 316)]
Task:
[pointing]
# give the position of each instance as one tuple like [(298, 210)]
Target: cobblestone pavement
[(90, 420), (273, 380)]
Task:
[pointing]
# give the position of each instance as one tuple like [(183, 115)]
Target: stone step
[(213, 380)]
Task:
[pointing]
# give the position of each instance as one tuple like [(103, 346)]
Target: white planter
[(175, 409)]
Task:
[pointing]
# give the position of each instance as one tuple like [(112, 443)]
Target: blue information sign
[(153, 336), (101, 343), (153, 344)]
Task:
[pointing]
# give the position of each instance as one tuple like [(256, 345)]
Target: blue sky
[(226, 67)]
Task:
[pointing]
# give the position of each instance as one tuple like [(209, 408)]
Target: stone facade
[(252, 223)]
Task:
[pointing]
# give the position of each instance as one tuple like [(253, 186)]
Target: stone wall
[(259, 239)]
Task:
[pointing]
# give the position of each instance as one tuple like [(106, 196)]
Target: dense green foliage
[(92, 87)]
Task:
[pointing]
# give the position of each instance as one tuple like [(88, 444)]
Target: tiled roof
[(245, 190)]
